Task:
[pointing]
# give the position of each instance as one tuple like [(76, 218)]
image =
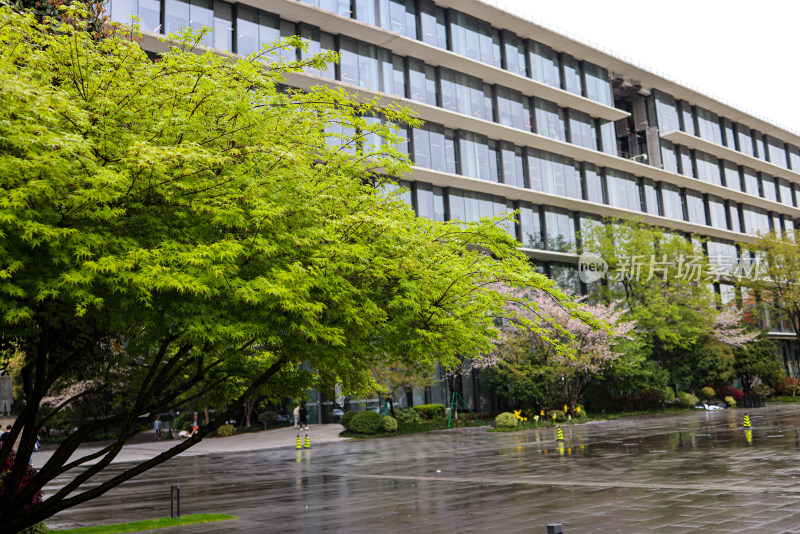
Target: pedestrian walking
[(303, 416), (5, 435), (297, 417), (37, 444), (157, 427)]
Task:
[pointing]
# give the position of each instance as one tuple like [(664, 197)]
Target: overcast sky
[(742, 52)]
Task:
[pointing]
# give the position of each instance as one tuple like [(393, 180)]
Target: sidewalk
[(280, 438)]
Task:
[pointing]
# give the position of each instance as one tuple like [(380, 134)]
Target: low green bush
[(707, 393), (368, 422), (345, 419), (268, 416), (730, 401), (404, 415), (226, 431), (430, 411), (763, 389), (560, 416), (506, 420), (390, 424), (687, 399)]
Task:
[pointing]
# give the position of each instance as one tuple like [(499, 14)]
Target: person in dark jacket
[(303, 417)]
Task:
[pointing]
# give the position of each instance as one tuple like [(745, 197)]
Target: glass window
[(684, 161), (708, 126), (750, 181), (755, 220), (728, 137), (571, 75), (695, 208), (513, 109), (727, 292), (474, 38), (176, 15), (776, 224), (597, 84), (623, 190), (687, 120), (560, 229), (582, 129), (403, 187), (201, 13), (549, 120), (733, 179), (399, 16), (554, 174), (707, 168), (148, 11), (785, 190), (744, 140), (544, 64), (777, 152), (566, 277), (650, 196), (418, 88), (760, 147), (358, 63), (466, 94), (514, 54), (669, 159), (608, 136), (365, 11), (671, 202), (794, 158), (247, 30), (318, 41), (513, 164), (666, 112), (429, 201), (394, 74), (340, 7), (716, 211), (768, 187), (593, 181), (429, 147), (469, 206), (733, 213), (223, 26), (473, 150), (269, 29), (530, 226), (432, 24)]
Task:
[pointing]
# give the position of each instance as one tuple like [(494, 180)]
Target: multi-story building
[(520, 117)]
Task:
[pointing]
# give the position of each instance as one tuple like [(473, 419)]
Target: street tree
[(177, 228)]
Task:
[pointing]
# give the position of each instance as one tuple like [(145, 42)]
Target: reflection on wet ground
[(694, 472)]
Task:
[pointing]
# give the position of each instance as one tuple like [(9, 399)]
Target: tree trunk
[(248, 409)]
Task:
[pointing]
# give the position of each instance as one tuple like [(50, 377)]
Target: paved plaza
[(694, 472)]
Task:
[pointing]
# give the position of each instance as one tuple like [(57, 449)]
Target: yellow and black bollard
[(559, 435), (746, 421), (299, 444), (308, 442)]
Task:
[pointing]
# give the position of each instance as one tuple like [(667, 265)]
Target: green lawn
[(148, 524)]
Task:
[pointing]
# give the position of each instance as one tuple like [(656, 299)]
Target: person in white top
[(297, 417)]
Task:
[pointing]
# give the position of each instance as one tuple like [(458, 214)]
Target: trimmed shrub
[(506, 420), (226, 431), (405, 415), (390, 424), (730, 401), (368, 422), (687, 399), (560, 415), (763, 389), (707, 393), (345, 419), (430, 411)]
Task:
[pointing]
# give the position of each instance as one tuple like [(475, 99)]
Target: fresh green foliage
[(346, 418), (405, 415), (187, 229), (367, 422), (730, 401), (226, 431), (687, 399), (389, 424), (757, 360), (506, 420), (707, 393), (763, 389), (430, 411), (560, 416), (148, 524)]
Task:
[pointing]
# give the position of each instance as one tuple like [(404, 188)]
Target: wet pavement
[(694, 472)]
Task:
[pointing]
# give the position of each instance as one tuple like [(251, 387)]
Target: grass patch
[(148, 524), (423, 426), (783, 399)]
